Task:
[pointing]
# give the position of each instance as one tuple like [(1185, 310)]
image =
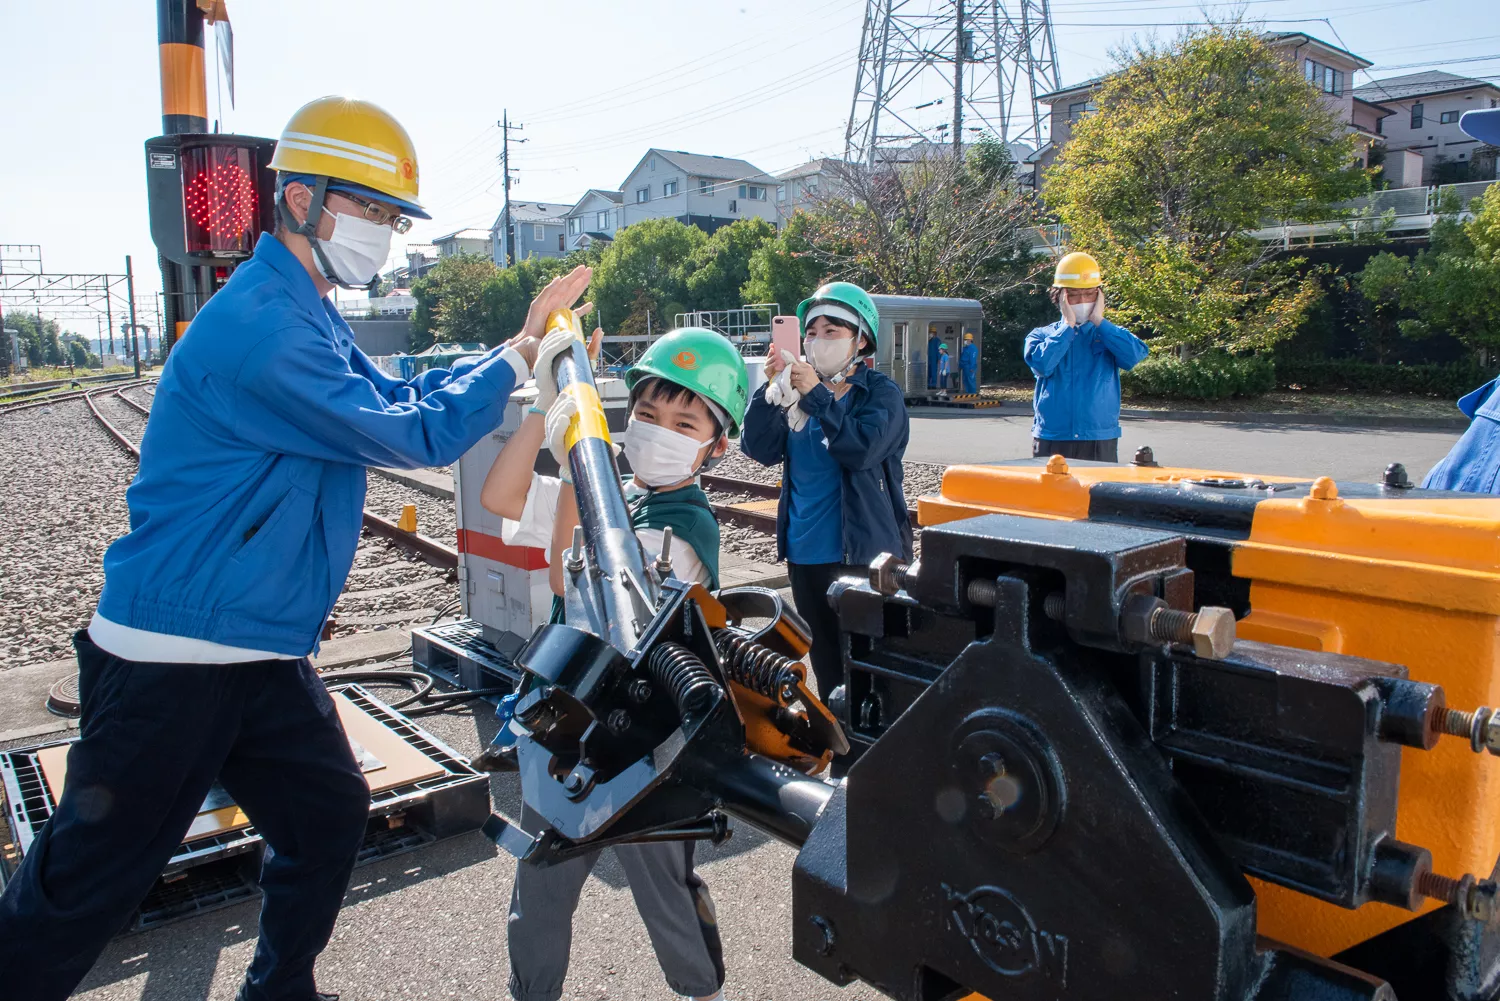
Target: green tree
[(451, 302), (1383, 284), (720, 267), (650, 257), (1194, 144), (784, 270), (1455, 285), (41, 339), (937, 224)]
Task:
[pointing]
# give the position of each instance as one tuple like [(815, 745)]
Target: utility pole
[(507, 248), (958, 79), (130, 291)]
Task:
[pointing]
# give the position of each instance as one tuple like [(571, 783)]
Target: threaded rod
[(1053, 606), (1437, 887), (1171, 626)]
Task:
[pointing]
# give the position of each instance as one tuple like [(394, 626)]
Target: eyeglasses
[(378, 213)]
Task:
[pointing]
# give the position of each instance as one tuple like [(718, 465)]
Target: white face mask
[(356, 251), (658, 456), (829, 356)]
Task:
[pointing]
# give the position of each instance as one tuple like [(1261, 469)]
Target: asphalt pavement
[(1345, 453), (431, 925)]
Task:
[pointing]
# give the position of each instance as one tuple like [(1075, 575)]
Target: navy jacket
[(867, 440), (1473, 464), (246, 510), (1077, 370)]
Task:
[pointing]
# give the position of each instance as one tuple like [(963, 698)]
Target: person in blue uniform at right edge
[(1077, 361), (1473, 464), (968, 364)]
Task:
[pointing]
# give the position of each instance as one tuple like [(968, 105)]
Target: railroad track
[(47, 401), (33, 388), (758, 513)]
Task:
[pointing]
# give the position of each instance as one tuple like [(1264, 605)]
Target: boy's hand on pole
[(556, 343), (560, 416)]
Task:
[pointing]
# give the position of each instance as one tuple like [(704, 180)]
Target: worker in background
[(1077, 362), (839, 443), (687, 399), (945, 368), (1473, 464), (968, 364), (933, 343), (244, 518)]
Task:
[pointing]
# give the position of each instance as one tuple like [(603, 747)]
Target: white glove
[(554, 344), (559, 418), (782, 394), (1096, 315)]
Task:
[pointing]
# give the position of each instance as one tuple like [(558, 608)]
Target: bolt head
[(1324, 489), (885, 573), (1057, 465), (573, 782), (1213, 632), (619, 721)]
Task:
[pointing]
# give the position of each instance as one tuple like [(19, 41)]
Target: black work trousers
[(153, 739), (1096, 449), (810, 584)]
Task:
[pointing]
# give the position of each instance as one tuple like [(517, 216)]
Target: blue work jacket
[(1473, 463), (246, 510), (1077, 395), (868, 439)]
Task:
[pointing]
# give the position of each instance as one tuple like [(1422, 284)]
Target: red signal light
[(221, 205)]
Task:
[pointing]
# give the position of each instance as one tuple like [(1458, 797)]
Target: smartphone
[(786, 335)]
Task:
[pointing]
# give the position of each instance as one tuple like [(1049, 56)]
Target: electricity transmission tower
[(984, 60)]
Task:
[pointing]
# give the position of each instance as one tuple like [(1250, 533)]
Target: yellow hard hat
[(353, 141), (968, 337), (1077, 270)]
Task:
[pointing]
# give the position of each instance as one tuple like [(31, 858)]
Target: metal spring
[(757, 667), (678, 670)]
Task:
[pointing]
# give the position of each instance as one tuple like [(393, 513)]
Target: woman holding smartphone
[(840, 447)]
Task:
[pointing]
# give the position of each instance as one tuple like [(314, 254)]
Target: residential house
[(801, 187), (538, 229), (693, 188), (465, 241), (596, 216), (1328, 67), (1426, 108)]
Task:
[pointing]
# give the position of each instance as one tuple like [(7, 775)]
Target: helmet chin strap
[(309, 229)]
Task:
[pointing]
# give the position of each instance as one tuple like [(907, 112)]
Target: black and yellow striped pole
[(184, 92), (610, 575)]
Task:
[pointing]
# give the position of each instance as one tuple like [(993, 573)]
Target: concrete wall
[(382, 337)]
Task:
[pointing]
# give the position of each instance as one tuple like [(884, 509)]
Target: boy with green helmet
[(688, 395)]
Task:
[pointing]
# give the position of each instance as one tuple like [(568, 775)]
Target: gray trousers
[(672, 901)]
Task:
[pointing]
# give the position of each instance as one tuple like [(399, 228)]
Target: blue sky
[(594, 82)]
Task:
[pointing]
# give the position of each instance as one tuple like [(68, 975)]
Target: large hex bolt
[(1144, 457), (888, 574), (1209, 631), (1395, 477)]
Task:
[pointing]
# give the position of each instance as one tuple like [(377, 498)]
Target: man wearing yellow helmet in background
[(244, 518), (1077, 362)]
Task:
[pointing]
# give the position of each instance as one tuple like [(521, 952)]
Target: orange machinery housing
[(1383, 572)]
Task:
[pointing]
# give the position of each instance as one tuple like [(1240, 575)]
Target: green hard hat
[(702, 361), (851, 297)]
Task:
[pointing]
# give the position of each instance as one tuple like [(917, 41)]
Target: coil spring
[(678, 670), (758, 668)]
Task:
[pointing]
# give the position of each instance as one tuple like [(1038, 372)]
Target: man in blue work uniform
[(968, 364), (1077, 361), (1473, 464), (934, 342), (244, 518)]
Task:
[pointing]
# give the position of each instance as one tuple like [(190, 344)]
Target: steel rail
[(114, 432), (47, 401)]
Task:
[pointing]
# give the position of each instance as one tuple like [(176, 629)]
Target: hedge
[(1447, 381), (1207, 377)]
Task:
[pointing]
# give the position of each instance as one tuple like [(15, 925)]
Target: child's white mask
[(659, 456)]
